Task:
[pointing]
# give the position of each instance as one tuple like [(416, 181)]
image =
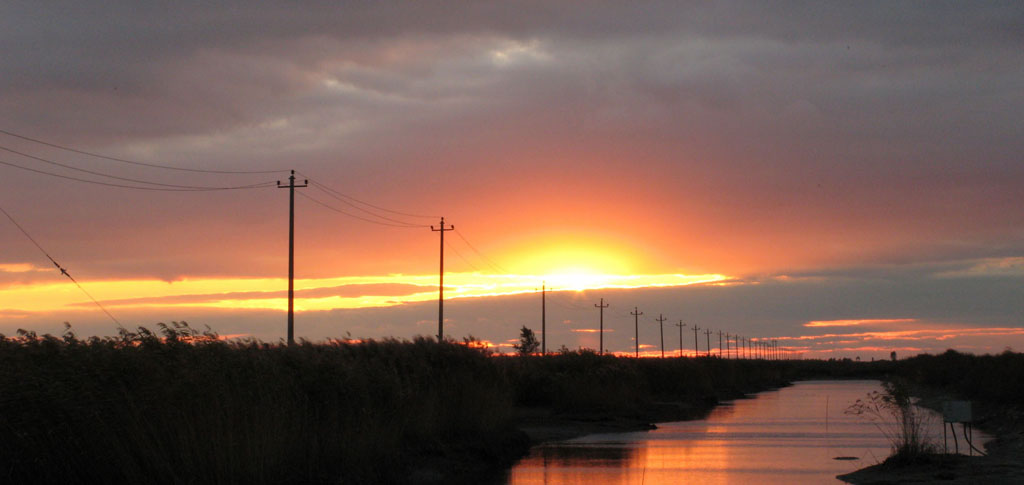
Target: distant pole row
[(729, 345)]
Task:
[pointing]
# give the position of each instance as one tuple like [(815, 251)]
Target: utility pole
[(291, 252), (728, 355), (720, 344), (636, 328), (543, 318), (440, 286), (707, 334), (661, 323), (696, 349), (681, 325), (602, 306)]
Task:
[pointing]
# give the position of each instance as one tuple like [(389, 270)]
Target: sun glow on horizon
[(573, 254), (317, 294)]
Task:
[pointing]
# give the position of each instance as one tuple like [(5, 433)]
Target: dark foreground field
[(183, 407)]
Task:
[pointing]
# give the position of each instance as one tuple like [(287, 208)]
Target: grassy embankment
[(180, 406), (185, 407)]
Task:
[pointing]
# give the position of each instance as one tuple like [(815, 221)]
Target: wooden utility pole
[(728, 346), (543, 318), (636, 328), (707, 334), (720, 355), (681, 325), (602, 306), (440, 286), (661, 323), (291, 252), (696, 348)]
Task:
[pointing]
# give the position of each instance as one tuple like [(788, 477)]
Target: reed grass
[(183, 406)]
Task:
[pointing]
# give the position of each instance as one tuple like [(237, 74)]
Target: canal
[(798, 434)]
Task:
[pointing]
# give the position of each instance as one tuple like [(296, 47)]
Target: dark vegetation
[(995, 386), (990, 379), (181, 406), (583, 382), (184, 407)]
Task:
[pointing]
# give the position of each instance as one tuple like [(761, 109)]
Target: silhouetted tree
[(528, 343)]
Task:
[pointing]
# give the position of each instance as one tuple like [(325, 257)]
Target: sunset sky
[(846, 178)]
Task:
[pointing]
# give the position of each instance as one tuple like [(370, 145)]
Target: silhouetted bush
[(894, 412)]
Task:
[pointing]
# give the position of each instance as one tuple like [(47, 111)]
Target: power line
[(136, 187), (133, 162), (489, 261), (569, 304), (63, 271), (356, 207), (463, 258), (335, 209), (349, 197), (101, 174)]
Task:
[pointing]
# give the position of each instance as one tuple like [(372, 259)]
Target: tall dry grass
[(184, 407)]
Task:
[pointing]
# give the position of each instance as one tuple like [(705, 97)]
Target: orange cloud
[(18, 268), (854, 323), (921, 334)]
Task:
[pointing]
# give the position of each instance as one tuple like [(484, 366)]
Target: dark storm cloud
[(152, 56), (882, 132)]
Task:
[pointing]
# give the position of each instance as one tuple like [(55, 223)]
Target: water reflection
[(789, 436)]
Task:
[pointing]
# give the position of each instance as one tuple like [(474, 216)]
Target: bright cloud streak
[(921, 334), (18, 268), (854, 323), (326, 293)]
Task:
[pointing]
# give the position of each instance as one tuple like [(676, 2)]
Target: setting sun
[(575, 279), (583, 256)]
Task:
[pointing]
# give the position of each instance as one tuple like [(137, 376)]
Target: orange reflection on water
[(789, 436)]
